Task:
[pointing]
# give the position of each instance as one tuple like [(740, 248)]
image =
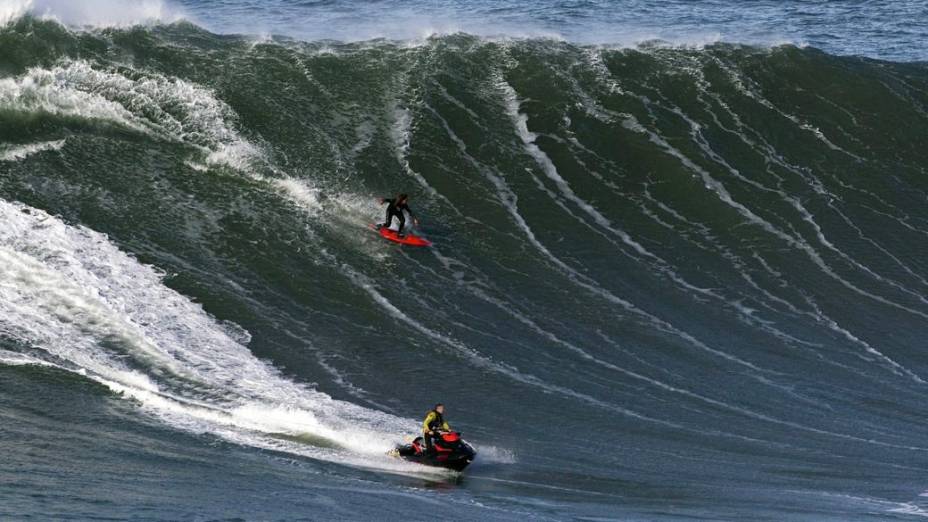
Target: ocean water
[(679, 265)]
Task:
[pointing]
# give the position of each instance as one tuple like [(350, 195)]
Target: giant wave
[(713, 255)]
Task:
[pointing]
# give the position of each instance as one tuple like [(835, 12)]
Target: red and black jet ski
[(449, 450)]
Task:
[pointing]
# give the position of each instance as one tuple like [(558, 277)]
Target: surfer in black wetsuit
[(395, 207)]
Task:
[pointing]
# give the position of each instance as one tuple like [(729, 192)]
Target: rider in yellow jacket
[(434, 422)]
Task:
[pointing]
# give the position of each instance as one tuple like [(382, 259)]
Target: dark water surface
[(667, 282)]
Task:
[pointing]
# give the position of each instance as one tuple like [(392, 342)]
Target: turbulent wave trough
[(665, 281)]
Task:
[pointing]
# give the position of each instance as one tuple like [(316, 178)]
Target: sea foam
[(92, 13)]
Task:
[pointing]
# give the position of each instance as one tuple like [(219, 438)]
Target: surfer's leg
[(402, 219), (387, 219)]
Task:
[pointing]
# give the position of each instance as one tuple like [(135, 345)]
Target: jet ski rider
[(433, 424)]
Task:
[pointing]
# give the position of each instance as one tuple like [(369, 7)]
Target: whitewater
[(678, 264)]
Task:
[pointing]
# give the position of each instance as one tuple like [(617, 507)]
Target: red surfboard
[(407, 239)]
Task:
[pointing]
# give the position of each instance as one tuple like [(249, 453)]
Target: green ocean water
[(666, 282)]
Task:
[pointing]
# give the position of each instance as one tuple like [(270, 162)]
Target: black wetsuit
[(394, 209)]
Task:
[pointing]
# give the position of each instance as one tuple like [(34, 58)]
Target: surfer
[(395, 207), (433, 424)]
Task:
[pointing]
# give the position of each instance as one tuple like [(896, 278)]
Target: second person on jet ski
[(433, 424)]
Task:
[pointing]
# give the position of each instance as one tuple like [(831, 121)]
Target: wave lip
[(92, 13), (885, 33), (11, 10)]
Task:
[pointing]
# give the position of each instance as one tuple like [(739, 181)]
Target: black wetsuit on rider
[(395, 207)]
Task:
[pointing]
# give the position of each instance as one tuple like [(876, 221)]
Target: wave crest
[(92, 13)]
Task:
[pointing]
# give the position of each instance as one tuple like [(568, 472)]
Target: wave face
[(666, 282)]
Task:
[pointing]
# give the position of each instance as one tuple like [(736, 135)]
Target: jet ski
[(449, 451)]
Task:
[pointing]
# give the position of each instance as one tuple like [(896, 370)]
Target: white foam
[(794, 241), (911, 509), (92, 13), (18, 152), (151, 103), (807, 216), (50, 91), (401, 133), (497, 455), (797, 242), (10, 10), (20, 359), (300, 193), (169, 108), (68, 293)]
